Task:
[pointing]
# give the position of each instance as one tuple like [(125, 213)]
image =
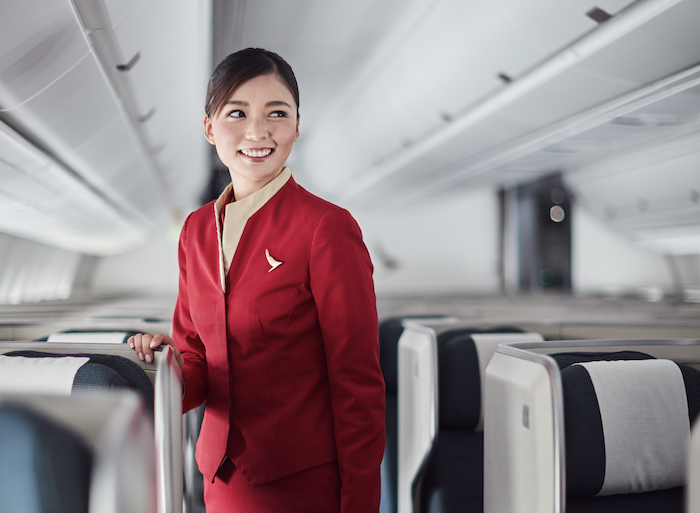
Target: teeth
[(257, 153)]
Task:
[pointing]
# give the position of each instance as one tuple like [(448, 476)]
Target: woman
[(275, 325)]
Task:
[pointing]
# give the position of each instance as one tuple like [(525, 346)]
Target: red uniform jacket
[(287, 357)]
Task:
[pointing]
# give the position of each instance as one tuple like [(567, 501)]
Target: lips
[(256, 152)]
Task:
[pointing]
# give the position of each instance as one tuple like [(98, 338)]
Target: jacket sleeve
[(185, 337), (341, 283)]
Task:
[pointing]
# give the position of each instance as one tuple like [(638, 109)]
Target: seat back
[(390, 331), (537, 462), (439, 455), (693, 488), (453, 477), (44, 467), (86, 452)]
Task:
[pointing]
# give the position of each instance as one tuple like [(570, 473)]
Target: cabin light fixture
[(557, 214), (598, 15), (558, 196)]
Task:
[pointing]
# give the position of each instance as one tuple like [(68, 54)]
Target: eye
[(278, 114), (236, 114)]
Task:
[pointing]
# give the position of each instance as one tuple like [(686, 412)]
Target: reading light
[(557, 214)]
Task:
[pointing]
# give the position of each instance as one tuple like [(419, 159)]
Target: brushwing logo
[(273, 263)]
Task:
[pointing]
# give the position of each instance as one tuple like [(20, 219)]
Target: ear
[(208, 130), (297, 134)]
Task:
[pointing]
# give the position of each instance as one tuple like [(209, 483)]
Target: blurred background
[(488, 149)]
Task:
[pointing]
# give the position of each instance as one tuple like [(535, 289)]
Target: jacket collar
[(236, 216)]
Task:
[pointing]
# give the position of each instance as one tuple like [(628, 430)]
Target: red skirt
[(314, 490)]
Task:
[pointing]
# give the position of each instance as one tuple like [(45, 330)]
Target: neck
[(243, 188)]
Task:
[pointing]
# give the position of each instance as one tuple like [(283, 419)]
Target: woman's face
[(254, 132)]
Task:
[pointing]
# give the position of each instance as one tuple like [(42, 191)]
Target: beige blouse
[(236, 216)]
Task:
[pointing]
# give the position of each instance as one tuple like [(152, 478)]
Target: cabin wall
[(446, 245), (604, 261), (151, 269), (31, 271)]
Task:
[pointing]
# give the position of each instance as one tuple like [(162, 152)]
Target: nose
[(256, 129)]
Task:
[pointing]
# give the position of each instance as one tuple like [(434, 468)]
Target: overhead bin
[(485, 137), (164, 89), (100, 189), (42, 201)]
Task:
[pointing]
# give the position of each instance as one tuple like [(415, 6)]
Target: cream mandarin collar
[(236, 216)]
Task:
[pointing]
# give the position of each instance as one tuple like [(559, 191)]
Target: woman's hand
[(145, 343)]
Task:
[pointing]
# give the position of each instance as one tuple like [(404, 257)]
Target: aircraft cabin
[(526, 178)]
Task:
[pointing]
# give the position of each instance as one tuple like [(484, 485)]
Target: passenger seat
[(85, 453)]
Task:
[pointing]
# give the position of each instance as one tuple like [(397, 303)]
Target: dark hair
[(241, 66)]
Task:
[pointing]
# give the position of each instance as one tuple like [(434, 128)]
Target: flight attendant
[(275, 325)]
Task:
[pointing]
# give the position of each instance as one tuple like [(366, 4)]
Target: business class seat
[(390, 331), (65, 368), (440, 426), (44, 467), (85, 453), (590, 426)]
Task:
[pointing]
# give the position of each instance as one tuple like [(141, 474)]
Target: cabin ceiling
[(399, 99)]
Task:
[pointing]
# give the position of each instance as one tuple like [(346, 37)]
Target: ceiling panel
[(654, 50), (117, 9), (39, 42), (434, 76), (8, 173), (550, 24), (71, 111)]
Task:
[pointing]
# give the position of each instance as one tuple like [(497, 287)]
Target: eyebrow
[(273, 103)]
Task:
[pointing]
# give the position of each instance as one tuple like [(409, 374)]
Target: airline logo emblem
[(274, 263)]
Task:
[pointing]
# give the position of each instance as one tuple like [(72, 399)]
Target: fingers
[(161, 339), (145, 343)]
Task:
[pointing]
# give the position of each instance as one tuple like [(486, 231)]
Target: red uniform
[(283, 347)]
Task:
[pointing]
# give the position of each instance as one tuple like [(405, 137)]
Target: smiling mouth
[(256, 153)]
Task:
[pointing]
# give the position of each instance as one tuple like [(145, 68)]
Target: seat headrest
[(459, 383), (627, 423), (463, 356), (51, 375), (96, 372)]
